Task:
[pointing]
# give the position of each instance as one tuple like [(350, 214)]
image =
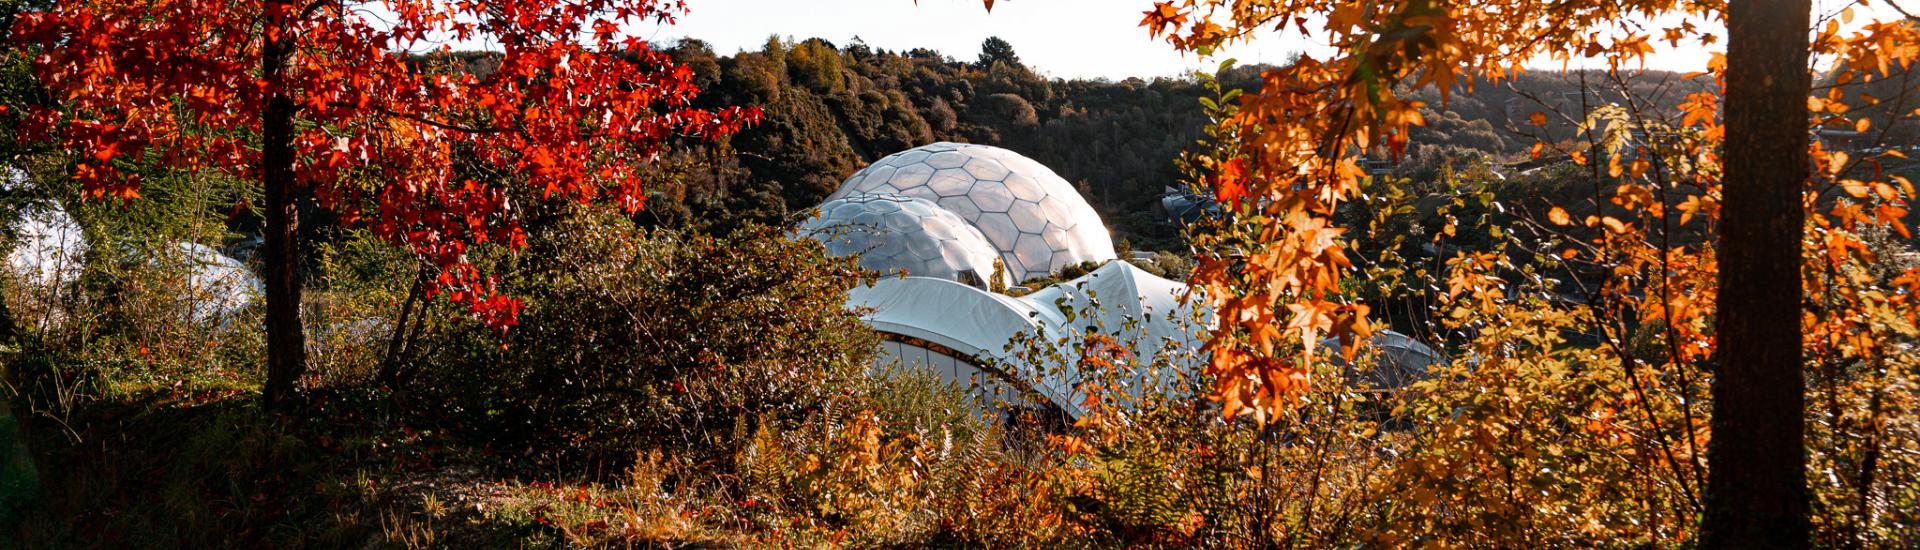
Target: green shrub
[(630, 338)]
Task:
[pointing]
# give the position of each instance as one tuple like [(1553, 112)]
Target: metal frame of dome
[(1142, 311), (1398, 360), (1036, 220), (896, 233)]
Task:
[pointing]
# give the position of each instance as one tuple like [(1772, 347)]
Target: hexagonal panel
[(1025, 188), (878, 175), (901, 234), (947, 159), (991, 196), (1033, 253), (963, 206), (903, 158), (898, 223), (912, 175), (998, 228), (987, 169), (976, 181), (924, 249), (1027, 222), (951, 182), (890, 247), (1055, 209), (870, 219), (921, 192), (883, 206), (1057, 240)]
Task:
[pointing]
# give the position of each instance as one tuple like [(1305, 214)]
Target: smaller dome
[(218, 287), (50, 247), (1398, 360), (894, 234)]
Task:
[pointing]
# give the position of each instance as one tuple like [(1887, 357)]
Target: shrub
[(631, 337)]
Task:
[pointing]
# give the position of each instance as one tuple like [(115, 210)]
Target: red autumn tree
[(357, 104)]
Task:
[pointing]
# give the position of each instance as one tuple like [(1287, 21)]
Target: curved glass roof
[(1035, 220), (894, 234), (1143, 312)]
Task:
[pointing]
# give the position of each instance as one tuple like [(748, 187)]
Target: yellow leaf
[(1559, 216), (1886, 192), (1856, 188), (1614, 225)]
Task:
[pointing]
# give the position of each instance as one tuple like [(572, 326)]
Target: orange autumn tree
[(1291, 156), (361, 106)]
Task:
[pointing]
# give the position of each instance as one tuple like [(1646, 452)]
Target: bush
[(631, 338)]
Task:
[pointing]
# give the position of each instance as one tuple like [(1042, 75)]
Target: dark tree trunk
[(397, 345), (1756, 489), (286, 341)]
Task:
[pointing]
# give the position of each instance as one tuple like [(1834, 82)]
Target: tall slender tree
[(363, 106), (1757, 488), (1298, 138)]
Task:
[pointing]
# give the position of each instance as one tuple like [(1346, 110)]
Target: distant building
[(939, 214)]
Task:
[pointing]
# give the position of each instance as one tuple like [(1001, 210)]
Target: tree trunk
[(1756, 488), (396, 346), (286, 341)]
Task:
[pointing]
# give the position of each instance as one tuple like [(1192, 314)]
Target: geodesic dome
[(1032, 217), (894, 233), (218, 286), (50, 247), (962, 334), (1398, 360)]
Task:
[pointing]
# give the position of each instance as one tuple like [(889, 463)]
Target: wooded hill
[(832, 109)]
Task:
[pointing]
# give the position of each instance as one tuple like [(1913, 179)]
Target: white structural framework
[(218, 287), (1032, 217), (50, 248), (941, 213), (962, 333), (1396, 360), (900, 234)]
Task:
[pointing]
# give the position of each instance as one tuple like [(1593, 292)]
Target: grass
[(197, 463), (159, 458)]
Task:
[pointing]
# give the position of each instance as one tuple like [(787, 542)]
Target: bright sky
[(1061, 38)]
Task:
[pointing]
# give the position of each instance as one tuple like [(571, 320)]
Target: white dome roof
[(50, 247), (218, 286), (1032, 217), (894, 233), (1139, 310), (1398, 359)]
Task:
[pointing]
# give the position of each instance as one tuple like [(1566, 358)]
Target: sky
[(1059, 38)]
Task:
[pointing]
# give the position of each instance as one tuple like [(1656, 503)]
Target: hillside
[(832, 109)]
